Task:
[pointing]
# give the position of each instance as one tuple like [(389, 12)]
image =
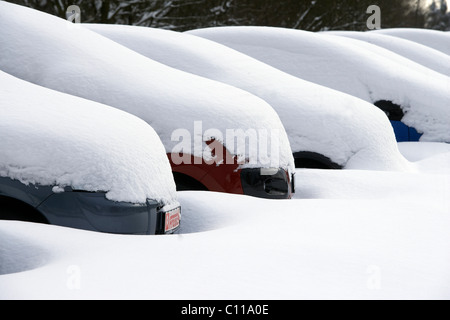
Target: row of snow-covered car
[(95, 118)]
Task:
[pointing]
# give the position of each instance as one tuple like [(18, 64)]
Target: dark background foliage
[(309, 15)]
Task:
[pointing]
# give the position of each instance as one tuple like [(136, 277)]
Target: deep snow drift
[(348, 235), (57, 54), (51, 138), (352, 66), (349, 131)]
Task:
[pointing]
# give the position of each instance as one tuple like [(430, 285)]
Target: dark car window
[(392, 110)]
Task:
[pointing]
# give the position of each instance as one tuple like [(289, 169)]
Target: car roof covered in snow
[(361, 69), (60, 55), (54, 139), (435, 39), (426, 56), (317, 119)]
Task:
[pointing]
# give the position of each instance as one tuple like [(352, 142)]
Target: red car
[(199, 174)]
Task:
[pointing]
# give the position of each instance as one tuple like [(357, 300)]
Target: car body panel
[(32, 195), (403, 133), (87, 210), (226, 175)]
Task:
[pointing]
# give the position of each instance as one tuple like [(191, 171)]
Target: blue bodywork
[(395, 113), (403, 133)]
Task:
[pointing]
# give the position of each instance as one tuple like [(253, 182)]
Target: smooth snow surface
[(352, 66), (426, 56), (435, 39), (349, 131), (349, 234), (57, 54), (428, 149), (51, 138)]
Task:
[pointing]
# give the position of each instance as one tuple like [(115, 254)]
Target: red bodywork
[(221, 174)]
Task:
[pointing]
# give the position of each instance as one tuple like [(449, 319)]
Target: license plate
[(173, 218)]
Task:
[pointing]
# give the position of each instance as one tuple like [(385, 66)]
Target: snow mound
[(349, 234), (51, 138), (426, 56), (54, 53), (358, 235), (18, 255), (352, 66), (435, 39), (427, 150), (349, 131)]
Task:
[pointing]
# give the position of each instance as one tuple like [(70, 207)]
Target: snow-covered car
[(405, 90), (326, 128), (435, 39), (209, 129), (424, 55), (76, 163)]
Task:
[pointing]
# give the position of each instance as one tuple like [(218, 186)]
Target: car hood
[(55, 139)]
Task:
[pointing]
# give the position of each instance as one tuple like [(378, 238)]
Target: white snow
[(427, 56), (54, 139), (428, 149), (54, 53), (349, 131), (349, 234), (435, 39), (352, 66)]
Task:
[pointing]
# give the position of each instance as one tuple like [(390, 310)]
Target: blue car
[(403, 132)]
